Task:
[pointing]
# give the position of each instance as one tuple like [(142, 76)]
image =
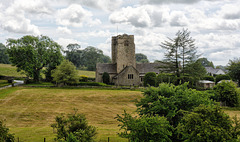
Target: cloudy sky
[(214, 24)]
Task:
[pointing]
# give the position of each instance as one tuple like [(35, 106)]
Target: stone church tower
[(123, 51)]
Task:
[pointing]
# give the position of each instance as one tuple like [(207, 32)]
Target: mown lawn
[(9, 70), (29, 112)]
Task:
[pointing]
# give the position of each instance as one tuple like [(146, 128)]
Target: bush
[(4, 133), (106, 78), (222, 77), (207, 123), (83, 78), (165, 78), (227, 93), (88, 84), (150, 79), (210, 78), (144, 129), (74, 127)]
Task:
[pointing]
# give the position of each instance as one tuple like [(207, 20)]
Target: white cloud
[(65, 41), (172, 1), (106, 5), (64, 30), (75, 16), (178, 18), (142, 16), (230, 11)]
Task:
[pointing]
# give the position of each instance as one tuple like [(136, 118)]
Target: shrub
[(207, 123), (83, 78), (106, 78), (144, 129), (222, 77), (74, 127), (150, 79), (4, 133), (165, 78), (88, 84), (227, 93)]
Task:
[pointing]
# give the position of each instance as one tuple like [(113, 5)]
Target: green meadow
[(29, 112)]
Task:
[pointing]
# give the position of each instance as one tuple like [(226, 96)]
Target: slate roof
[(141, 68), (109, 68), (212, 70), (148, 67)]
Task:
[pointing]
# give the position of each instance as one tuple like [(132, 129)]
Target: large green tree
[(3, 56), (74, 54), (141, 58), (204, 62), (92, 56), (32, 53), (181, 51), (234, 69)]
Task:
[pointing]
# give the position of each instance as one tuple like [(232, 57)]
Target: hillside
[(29, 112), (9, 70)]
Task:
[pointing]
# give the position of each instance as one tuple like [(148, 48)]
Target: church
[(124, 71)]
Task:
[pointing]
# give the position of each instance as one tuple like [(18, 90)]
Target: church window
[(130, 76)]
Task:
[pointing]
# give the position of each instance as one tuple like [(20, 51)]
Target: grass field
[(4, 83), (9, 70), (29, 112)]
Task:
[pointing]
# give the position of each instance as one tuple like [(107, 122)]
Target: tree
[(205, 63), (149, 79), (4, 59), (144, 129), (234, 69), (65, 73), (5, 136), (74, 54), (207, 123), (181, 51), (92, 56), (106, 78), (141, 58), (74, 127), (30, 54), (222, 77), (227, 93)]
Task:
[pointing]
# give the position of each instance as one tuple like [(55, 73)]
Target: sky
[(214, 24)]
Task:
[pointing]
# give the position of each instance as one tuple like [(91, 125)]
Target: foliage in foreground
[(144, 129), (74, 128), (5, 136), (227, 93), (177, 113), (208, 123)]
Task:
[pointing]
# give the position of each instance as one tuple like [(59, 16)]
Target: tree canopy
[(234, 69), (32, 53), (3, 56), (181, 51), (204, 62), (65, 73), (141, 58)]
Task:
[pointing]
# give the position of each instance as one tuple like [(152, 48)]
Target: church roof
[(141, 68), (109, 68), (148, 67)]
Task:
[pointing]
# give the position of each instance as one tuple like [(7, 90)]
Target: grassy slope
[(9, 70), (30, 111)]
